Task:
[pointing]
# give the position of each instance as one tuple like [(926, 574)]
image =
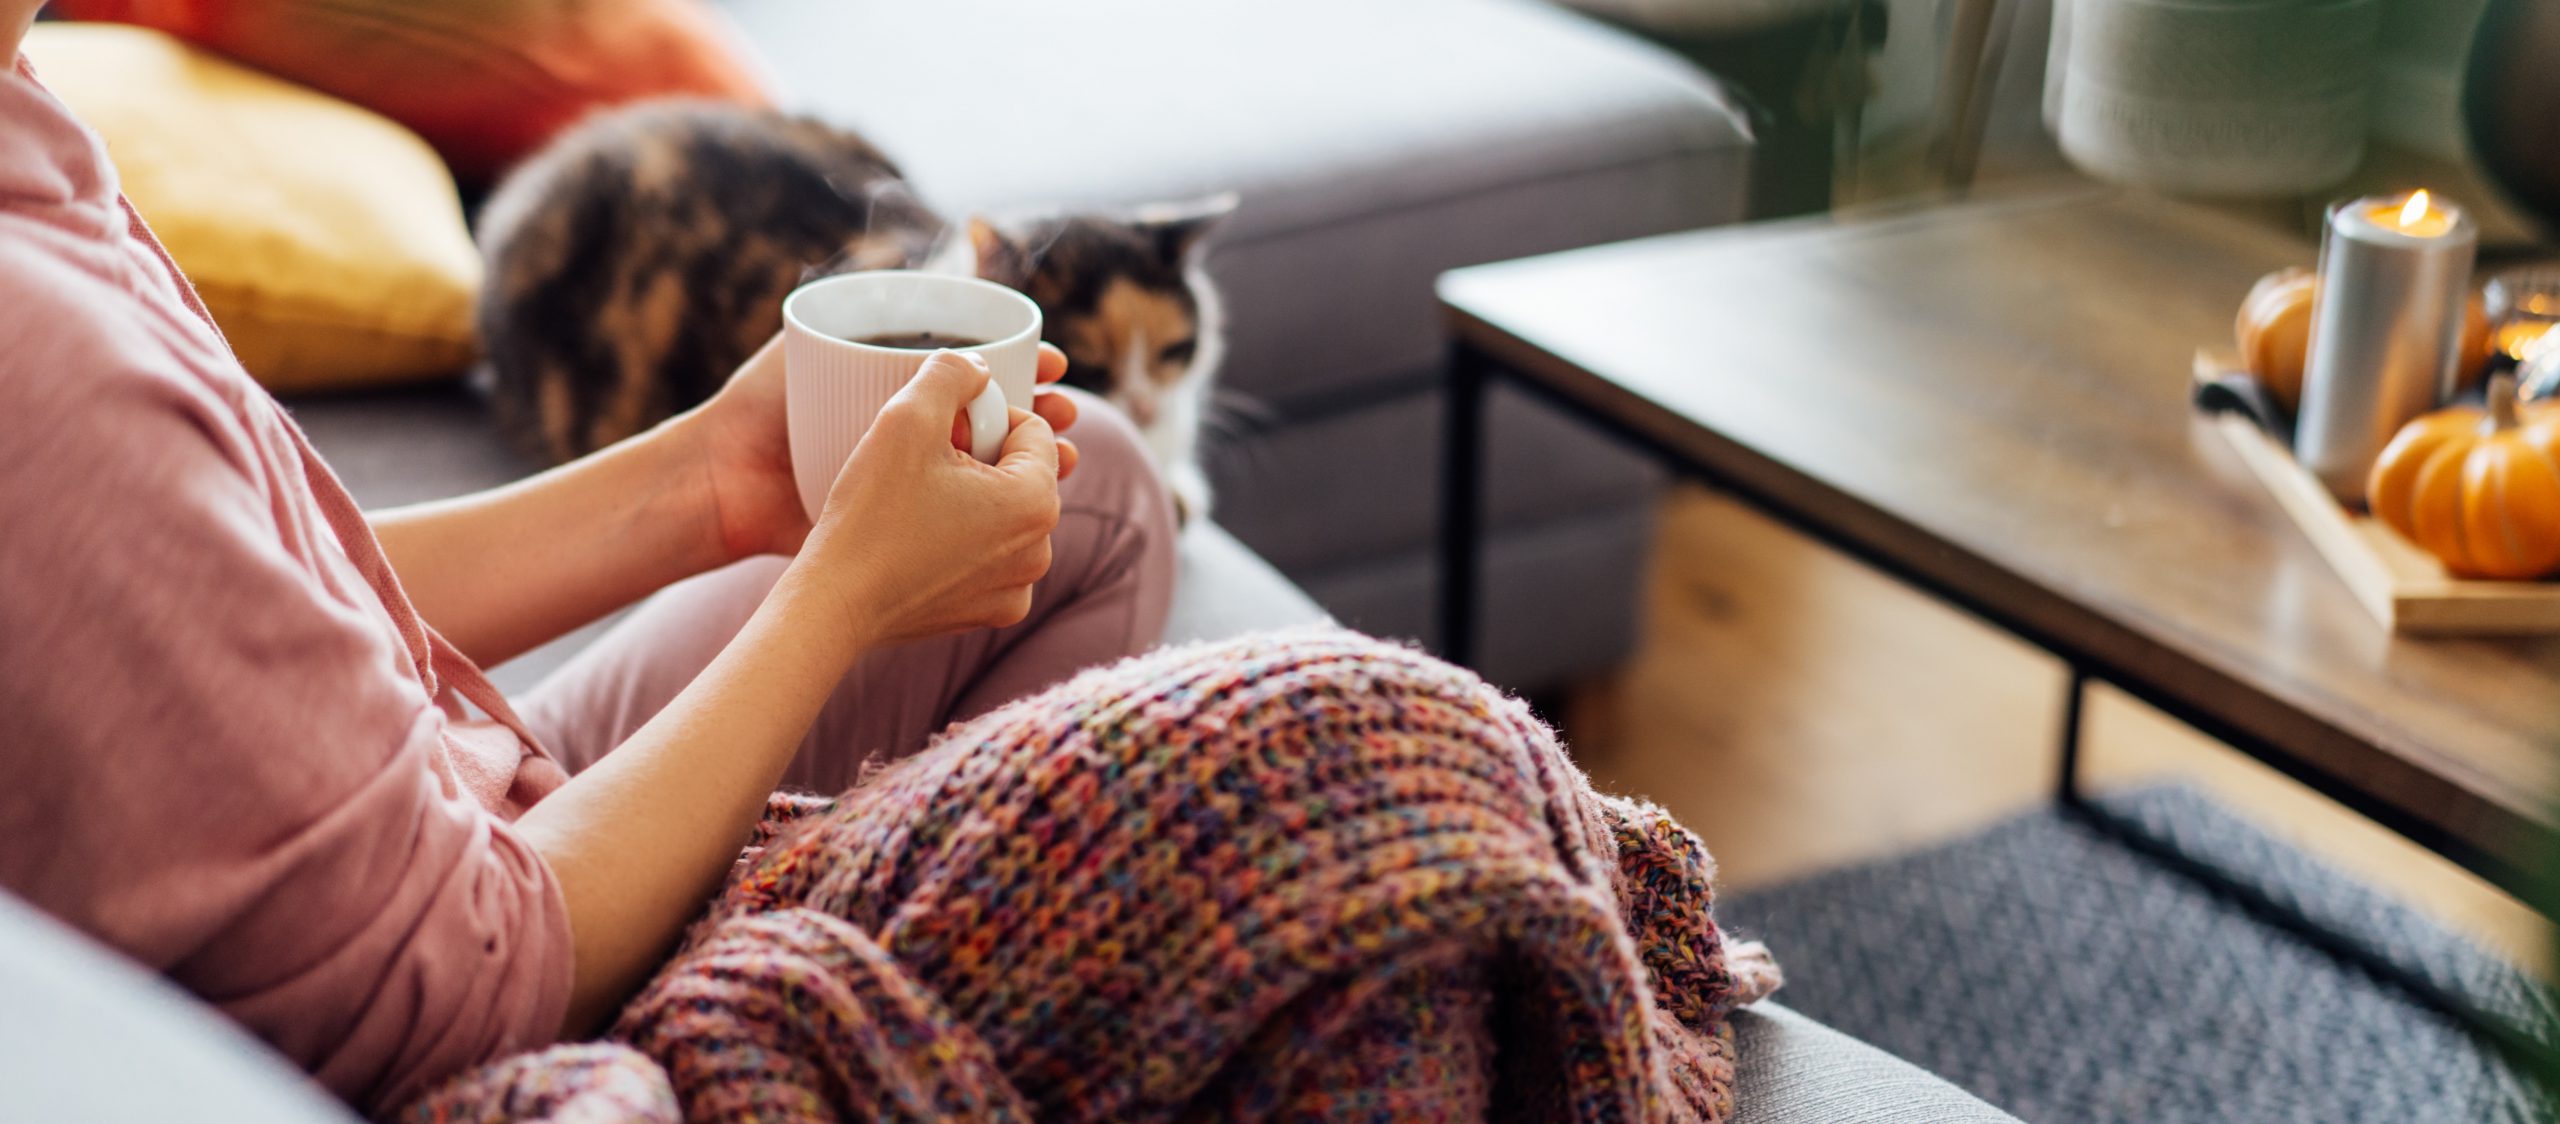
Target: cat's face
[(1121, 295)]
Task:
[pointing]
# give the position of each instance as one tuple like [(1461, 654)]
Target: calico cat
[(637, 260)]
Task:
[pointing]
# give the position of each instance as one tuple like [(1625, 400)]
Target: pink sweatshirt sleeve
[(216, 758)]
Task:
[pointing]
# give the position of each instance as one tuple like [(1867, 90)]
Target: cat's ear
[(1000, 259), (1177, 229)]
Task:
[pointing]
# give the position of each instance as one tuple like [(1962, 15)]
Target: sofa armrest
[(84, 1035), (1797, 1071), (1226, 590)]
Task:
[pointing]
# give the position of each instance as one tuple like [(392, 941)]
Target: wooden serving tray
[(2403, 586)]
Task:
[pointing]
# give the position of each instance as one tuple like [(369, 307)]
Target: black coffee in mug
[(920, 341)]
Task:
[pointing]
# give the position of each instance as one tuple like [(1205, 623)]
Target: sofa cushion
[(485, 82), (326, 241), (1544, 602), (1224, 591), (1797, 1071), (1374, 144), (88, 1035), (1543, 467)]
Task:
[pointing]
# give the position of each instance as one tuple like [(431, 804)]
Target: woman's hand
[(743, 448), (918, 537)]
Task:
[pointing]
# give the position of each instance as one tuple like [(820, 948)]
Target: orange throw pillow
[(484, 81)]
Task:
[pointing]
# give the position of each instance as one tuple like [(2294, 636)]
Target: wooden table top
[(1993, 397)]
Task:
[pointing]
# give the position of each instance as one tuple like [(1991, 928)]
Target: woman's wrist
[(827, 607), (688, 473)]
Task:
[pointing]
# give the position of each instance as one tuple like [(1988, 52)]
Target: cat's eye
[(1179, 351)]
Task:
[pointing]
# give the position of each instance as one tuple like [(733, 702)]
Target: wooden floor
[(1801, 712)]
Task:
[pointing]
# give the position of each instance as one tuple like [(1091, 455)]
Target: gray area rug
[(2059, 973)]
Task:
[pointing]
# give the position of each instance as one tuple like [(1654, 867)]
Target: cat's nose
[(1140, 409)]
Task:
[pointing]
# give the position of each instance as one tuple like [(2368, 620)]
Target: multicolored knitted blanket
[(1297, 876)]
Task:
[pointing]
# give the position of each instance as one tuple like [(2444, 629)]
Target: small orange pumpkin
[(2480, 490), (2274, 328), (2275, 332)]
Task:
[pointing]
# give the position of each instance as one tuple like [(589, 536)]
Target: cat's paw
[(1190, 488)]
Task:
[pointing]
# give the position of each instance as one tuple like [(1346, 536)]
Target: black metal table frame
[(1471, 376)]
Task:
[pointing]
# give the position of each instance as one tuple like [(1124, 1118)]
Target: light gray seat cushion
[(87, 1035), (1226, 591), (1797, 1071), (1375, 145)]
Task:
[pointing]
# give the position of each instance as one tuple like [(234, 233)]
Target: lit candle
[(2394, 275), (2417, 215)]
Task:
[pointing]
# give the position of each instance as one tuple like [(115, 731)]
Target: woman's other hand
[(744, 453)]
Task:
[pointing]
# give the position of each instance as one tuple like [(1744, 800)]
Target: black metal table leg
[(2066, 787), (1462, 503)]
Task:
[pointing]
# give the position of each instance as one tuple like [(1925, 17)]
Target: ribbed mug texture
[(834, 387)]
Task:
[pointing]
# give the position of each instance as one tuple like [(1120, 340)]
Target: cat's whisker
[(1232, 425), (1236, 418), (1241, 408)]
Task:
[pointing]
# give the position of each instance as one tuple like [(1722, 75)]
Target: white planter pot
[(2213, 97)]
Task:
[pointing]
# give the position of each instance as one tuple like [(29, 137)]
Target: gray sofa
[(1375, 143)]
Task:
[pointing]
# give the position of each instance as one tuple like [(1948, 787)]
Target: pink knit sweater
[(231, 748), (1295, 877)]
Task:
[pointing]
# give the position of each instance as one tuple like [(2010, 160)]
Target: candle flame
[(2417, 209)]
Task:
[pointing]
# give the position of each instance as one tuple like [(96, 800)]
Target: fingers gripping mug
[(850, 341)]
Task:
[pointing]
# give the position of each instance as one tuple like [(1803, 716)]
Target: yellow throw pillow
[(327, 241)]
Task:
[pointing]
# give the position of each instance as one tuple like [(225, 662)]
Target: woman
[(247, 741)]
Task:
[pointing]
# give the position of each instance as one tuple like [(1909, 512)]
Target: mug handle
[(989, 420)]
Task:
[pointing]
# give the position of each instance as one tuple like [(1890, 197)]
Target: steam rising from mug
[(835, 384)]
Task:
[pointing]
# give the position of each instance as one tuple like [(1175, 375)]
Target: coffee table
[(1989, 402)]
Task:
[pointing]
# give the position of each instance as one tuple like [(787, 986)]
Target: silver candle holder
[(2395, 272)]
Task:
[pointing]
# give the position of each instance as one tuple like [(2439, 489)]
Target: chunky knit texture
[(1299, 876)]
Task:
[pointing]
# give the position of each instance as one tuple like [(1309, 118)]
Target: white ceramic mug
[(835, 386)]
